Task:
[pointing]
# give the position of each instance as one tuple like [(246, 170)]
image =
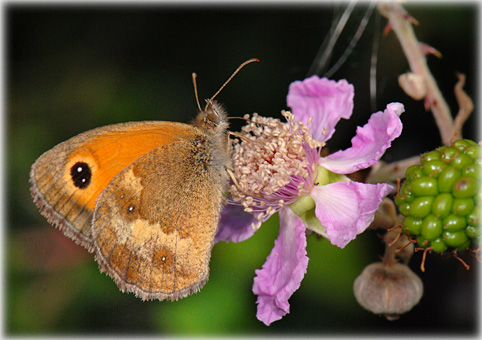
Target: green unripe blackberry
[(441, 197)]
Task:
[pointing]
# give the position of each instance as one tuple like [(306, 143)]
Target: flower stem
[(401, 23)]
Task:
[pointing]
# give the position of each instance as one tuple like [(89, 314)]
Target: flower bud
[(413, 85), (389, 289)]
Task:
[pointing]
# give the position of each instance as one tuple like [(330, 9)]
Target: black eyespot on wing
[(81, 175)]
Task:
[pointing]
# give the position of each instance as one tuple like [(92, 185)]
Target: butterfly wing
[(67, 180), (154, 225)]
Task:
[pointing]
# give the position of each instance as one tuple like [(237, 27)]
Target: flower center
[(273, 164)]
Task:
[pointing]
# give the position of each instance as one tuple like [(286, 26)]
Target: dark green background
[(72, 68)]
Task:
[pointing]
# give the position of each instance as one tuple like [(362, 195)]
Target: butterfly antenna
[(194, 76), (209, 102)]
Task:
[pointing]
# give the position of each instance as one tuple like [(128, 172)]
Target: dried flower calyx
[(389, 289)]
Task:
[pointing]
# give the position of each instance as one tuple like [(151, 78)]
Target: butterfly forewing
[(66, 180)]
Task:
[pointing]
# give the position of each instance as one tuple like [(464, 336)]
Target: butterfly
[(145, 197)]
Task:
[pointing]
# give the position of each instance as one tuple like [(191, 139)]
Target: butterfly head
[(213, 119)]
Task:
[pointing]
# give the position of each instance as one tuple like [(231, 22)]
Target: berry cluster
[(441, 197)]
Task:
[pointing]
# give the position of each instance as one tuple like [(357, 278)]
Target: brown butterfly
[(145, 197)]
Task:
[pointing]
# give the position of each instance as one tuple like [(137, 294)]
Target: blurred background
[(71, 68)]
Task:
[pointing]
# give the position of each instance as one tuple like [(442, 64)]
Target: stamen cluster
[(273, 164)]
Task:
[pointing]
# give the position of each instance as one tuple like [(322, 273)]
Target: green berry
[(471, 170), (454, 223), (414, 171), (461, 161), (424, 186), (447, 178), (421, 206), (473, 219), (423, 242), (448, 153), (404, 209), (433, 168), (431, 227), (465, 186), (441, 197), (472, 232), (456, 239), (438, 245), (431, 156), (412, 226), (463, 206), (473, 151), (463, 144), (442, 205), (407, 194)]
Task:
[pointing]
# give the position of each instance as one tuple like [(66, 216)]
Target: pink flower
[(278, 168)]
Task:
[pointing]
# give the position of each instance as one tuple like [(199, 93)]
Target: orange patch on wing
[(109, 153)]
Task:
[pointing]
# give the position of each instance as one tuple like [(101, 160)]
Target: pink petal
[(369, 144), (234, 225), (283, 270), (346, 209), (327, 101)]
